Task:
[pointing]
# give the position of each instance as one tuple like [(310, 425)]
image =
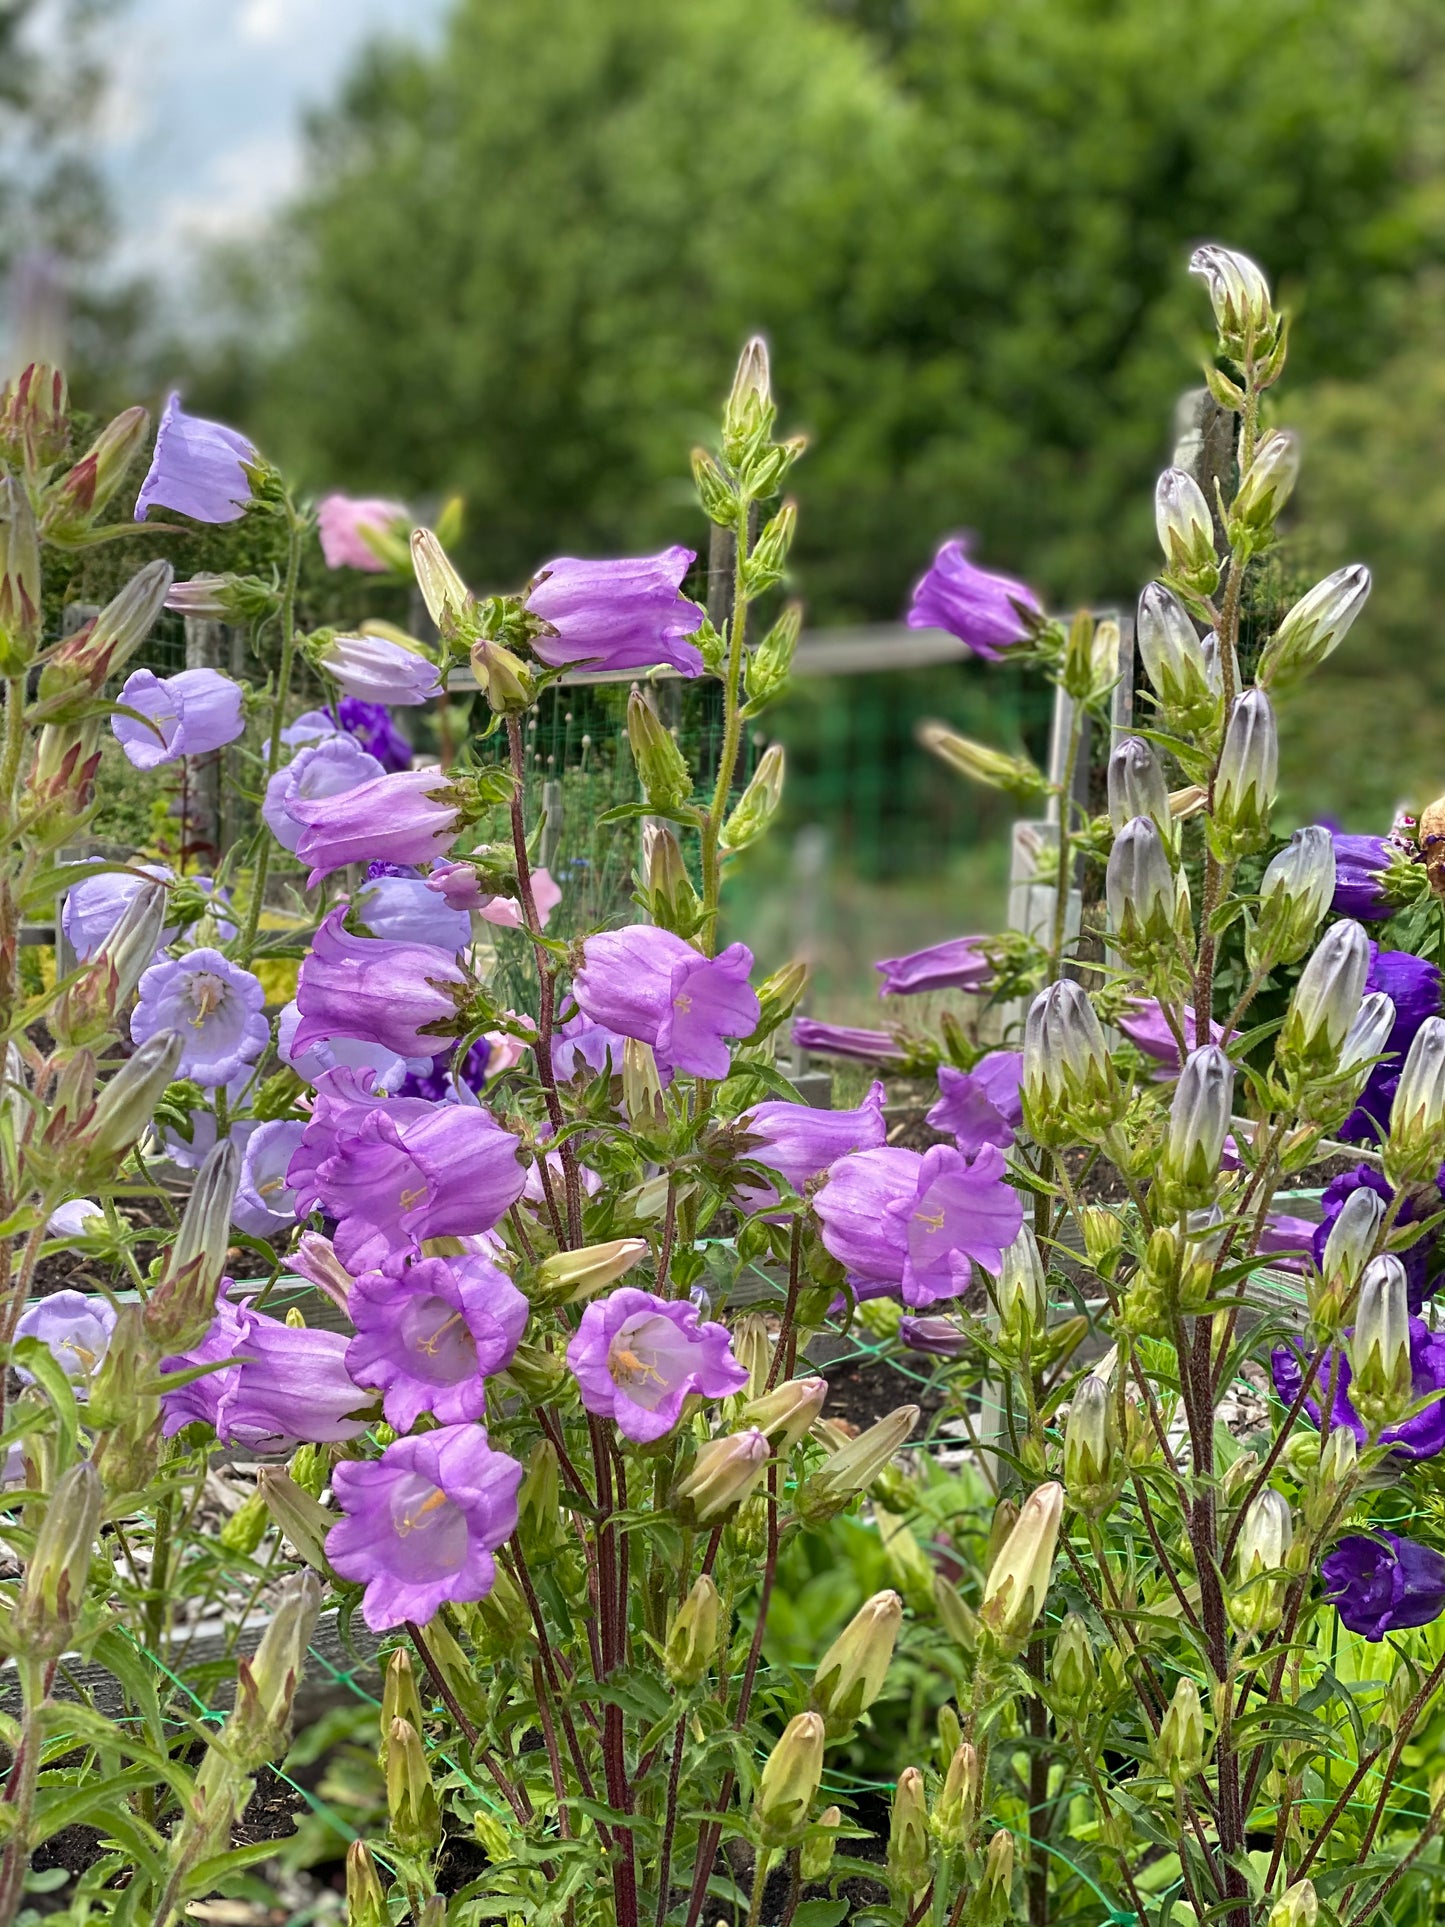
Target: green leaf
[(41, 1362), (820, 1913)]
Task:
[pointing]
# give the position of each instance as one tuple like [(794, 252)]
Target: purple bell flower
[(76, 1328), (264, 1203), (624, 614), (422, 1523), (198, 468), (581, 1048), (1413, 984), (1419, 1259), (405, 910), (429, 1339), (1147, 1029), (936, 1337), (958, 964), (1384, 1584), (981, 1106), (914, 1225), (1360, 863), (981, 609), (94, 905), (395, 1170), (636, 1358), (376, 670), (288, 1387), (406, 818), (217, 1007), (1420, 1437), (324, 1054), (188, 714), (837, 1040), (800, 1143), (374, 728), (404, 996), (330, 766), (310, 727), (650, 985), (1286, 1240)]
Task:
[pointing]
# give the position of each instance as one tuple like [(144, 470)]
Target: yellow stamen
[(411, 1520), (930, 1222), (429, 1345), (627, 1368)]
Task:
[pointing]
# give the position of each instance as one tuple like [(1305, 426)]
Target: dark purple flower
[(1419, 1259), (329, 766), (913, 1224), (186, 715), (1147, 1029), (406, 997), (936, 1337), (1420, 1437), (636, 1357), (422, 1523), (76, 1327), (198, 468), (289, 1386), (375, 729), (429, 1338), (1413, 985), (837, 1040), (958, 964), (981, 1106), (801, 1142), (618, 615), (1384, 1584), (395, 1170), (404, 910), (94, 905), (265, 1203), (1360, 863), (650, 985), (981, 609), (406, 818), (215, 1005), (388, 1070)]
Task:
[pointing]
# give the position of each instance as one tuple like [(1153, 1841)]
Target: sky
[(200, 134)]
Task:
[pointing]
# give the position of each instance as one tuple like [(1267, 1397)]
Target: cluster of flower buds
[(1018, 1577), (1186, 535), (1188, 1171), (1251, 329), (1071, 1090), (1093, 1462), (1173, 654), (1415, 1144), (1256, 1603), (1294, 894), (1314, 628), (1246, 781), (1148, 901), (1382, 1378)]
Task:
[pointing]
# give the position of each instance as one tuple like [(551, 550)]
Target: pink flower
[(343, 523)]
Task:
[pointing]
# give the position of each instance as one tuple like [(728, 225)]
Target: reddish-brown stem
[(554, 1758)]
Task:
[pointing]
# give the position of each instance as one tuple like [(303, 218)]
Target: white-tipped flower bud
[(1351, 1241), (1367, 1037), (1181, 1739), (1172, 652), (1382, 1379), (1070, 1087), (1265, 1537), (1198, 1124), (1326, 1000), (1023, 1305), (1247, 780), (1136, 785), (909, 1848), (1296, 890), (1239, 294), (1091, 1473), (1186, 532), (851, 1673), (1296, 1907), (1266, 487), (1143, 893), (1416, 1141), (1314, 628)]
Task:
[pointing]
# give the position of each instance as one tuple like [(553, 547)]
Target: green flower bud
[(414, 1817), (1018, 1579), (567, 1277), (692, 1638), (1172, 652), (718, 496), (722, 1475), (503, 678), (126, 1105), (1348, 1249), (854, 1467), (815, 1857), (1023, 1306), (1137, 786), (34, 418), (789, 1782), (1186, 533), (768, 669), (778, 997), (537, 1372), (246, 1527), (1198, 1125), (671, 899), (1247, 779), (1266, 487), (400, 1699), (1103, 1238), (53, 1589), (1148, 903), (79, 668), (1092, 1468), (1382, 1379), (851, 1673), (1243, 311), (661, 766), (449, 601), (1071, 1089), (749, 412), (758, 804), (230, 598), (1328, 1474), (1314, 628), (786, 1413), (73, 503), (20, 582), (1416, 1142), (1015, 775), (956, 1812), (1265, 1537), (765, 562), (1295, 893), (910, 1852), (1181, 1739), (365, 1895), (1072, 1672), (753, 1349), (992, 1902), (180, 1310), (642, 1097), (301, 1518), (259, 1726)]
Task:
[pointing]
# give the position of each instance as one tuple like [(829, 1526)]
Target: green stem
[(247, 943), (1066, 811), (760, 1881), (732, 739)]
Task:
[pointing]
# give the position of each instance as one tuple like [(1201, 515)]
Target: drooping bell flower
[(625, 614), (289, 1387), (407, 997), (958, 964), (329, 766), (801, 1143), (403, 910), (839, 1040), (422, 1522), (900, 1222), (1147, 1029), (650, 985), (934, 1336), (1360, 866), (1421, 1259), (186, 715), (386, 1068), (981, 1106), (1382, 1583), (217, 1008), (429, 1338), (581, 1048), (636, 1357), (343, 523), (76, 1327), (1413, 984), (988, 612), (1419, 1437), (395, 1170), (374, 669), (407, 818), (265, 1204), (374, 727), (198, 468), (94, 905)]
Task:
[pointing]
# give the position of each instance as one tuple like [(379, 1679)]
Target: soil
[(866, 1389)]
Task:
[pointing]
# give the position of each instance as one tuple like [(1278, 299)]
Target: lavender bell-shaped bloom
[(310, 727), (377, 670), (94, 905), (1419, 1437), (958, 964), (990, 613), (186, 715), (1361, 863), (374, 727), (581, 1048), (264, 1202), (407, 997), (900, 1222), (429, 1339), (981, 1106), (198, 468), (838, 1040), (343, 523), (76, 1218), (406, 818), (1148, 1030), (331, 766), (422, 1522), (650, 985), (386, 1067), (625, 614), (393, 1171), (217, 1008), (289, 1387), (801, 1143), (75, 1327), (405, 910), (1384, 1584), (636, 1357)]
